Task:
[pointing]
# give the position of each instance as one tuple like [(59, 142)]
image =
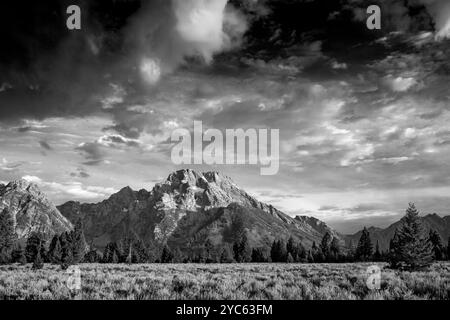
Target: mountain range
[(184, 210)]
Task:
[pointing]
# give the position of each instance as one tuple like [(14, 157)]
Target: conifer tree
[(108, 253), (325, 245), (310, 257), (278, 252), (394, 251), (166, 255), (178, 256), (33, 247), (18, 255), (335, 250), (66, 250), (448, 248), (55, 251), (351, 252), (129, 258), (411, 249), (436, 242), (244, 249), (115, 258), (259, 255), (140, 252), (291, 247), (377, 254), (38, 263), (92, 257), (289, 258), (301, 253), (226, 256), (7, 236), (208, 251), (364, 249), (78, 242)]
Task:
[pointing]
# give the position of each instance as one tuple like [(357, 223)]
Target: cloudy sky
[(363, 115)]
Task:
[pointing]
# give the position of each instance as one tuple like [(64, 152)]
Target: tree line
[(410, 248)]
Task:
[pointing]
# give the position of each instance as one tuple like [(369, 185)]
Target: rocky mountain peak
[(124, 195), (31, 210), (22, 185)]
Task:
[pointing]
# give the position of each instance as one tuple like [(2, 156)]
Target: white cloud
[(400, 84), (150, 70), (70, 189)]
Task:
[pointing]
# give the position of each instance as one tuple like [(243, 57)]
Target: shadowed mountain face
[(31, 210), (384, 236), (187, 209)]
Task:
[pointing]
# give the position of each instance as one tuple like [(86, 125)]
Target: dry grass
[(234, 281)]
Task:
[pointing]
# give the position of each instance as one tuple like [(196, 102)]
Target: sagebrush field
[(226, 281)]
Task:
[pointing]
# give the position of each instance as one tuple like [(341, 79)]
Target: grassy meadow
[(225, 281)]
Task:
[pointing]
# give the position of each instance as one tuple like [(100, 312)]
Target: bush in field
[(410, 247)]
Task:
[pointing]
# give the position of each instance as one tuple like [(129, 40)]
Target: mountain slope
[(31, 210), (188, 208), (383, 236)]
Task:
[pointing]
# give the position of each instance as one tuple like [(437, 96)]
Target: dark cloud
[(45, 145), (80, 173), (93, 151)]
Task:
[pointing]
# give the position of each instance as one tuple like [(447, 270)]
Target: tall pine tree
[(33, 247), (436, 242), (166, 255), (18, 255), (411, 249), (78, 242), (325, 245), (241, 249), (448, 248), (55, 251), (377, 254), (65, 241), (335, 250), (7, 236), (364, 249), (278, 252)]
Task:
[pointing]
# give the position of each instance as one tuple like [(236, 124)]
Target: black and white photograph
[(225, 150)]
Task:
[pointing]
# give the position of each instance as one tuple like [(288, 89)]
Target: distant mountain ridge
[(188, 208), (31, 211), (384, 236)]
